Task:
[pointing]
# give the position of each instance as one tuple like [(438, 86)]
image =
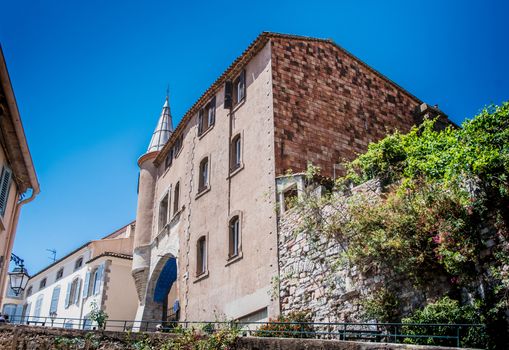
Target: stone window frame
[(42, 283), (233, 170), (234, 258), (207, 117), (60, 274), (202, 188), (239, 78), (204, 272), (176, 208), (29, 291), (165, 195), (78, 264)]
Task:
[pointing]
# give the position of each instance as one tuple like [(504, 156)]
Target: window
[(78, 264), (178, 145), (54, 300), (163, 211), (239, 88), (96, 280), (169, 158), (38, 306), (26, 311), (201, 265), (29, 291), (42, 284), (235, 153), (60, 273), (290, 197), (5, 185), (207, 116), (176, 198), (203, 183), (234, 237), (73, 293)]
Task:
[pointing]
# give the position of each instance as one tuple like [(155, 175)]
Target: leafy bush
[(382, 306), (446, 311), (295, 325), (98, 315)]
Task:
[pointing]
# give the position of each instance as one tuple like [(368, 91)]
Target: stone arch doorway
[(163, 278)]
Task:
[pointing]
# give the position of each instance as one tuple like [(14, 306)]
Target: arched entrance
[(164, 283), (162, 279)]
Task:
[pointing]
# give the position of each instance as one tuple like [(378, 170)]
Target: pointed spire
[(164, 128)]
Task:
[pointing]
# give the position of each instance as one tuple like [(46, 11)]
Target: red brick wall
[(328, 106)]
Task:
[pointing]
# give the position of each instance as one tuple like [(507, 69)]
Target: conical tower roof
[(163, 130)]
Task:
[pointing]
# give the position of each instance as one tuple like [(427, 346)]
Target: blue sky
[(90, 80)]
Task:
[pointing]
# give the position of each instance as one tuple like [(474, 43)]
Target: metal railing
[(436, 334)]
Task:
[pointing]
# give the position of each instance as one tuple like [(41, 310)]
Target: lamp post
[(52, 315), (19, 277)]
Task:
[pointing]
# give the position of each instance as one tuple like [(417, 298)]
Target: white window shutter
[(100, 271), (5, 184), (77, 294), (67, 295), (86, 285)]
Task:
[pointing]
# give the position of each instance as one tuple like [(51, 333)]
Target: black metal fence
[(437, 334)]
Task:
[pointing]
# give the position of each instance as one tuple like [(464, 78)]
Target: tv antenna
[(53, 253)]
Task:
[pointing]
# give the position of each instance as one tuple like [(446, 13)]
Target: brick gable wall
[(328, 106)]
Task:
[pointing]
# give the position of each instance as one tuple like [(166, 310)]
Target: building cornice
[(25, 172)]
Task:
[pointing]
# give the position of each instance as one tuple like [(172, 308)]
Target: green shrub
[(294, 325), (446, 311), (382, 306)]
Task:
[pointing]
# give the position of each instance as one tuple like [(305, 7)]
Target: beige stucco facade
[(290, 101), (18, 181), (230, 288), (98, 272)]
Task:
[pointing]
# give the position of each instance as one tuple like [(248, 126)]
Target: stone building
[(206, 239), (98, 271), (18, 180)]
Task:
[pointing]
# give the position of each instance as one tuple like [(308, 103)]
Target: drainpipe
[(12, 229)]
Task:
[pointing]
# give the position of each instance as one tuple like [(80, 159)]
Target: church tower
[(144, 212)]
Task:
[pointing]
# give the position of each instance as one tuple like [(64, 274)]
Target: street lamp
[(19, 277), (52, 315)]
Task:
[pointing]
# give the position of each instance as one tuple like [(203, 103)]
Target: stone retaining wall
[(45, 338), (309, 282)]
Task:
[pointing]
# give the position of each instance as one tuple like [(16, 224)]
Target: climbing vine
[(442, 210)]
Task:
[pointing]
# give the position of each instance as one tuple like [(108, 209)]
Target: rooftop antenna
[(54, 253)]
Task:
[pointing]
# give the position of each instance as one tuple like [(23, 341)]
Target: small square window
[(60, 273)]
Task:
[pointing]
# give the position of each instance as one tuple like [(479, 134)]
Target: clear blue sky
[(90, 80)]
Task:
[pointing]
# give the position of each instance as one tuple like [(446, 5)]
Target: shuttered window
[(98, 274), (38, 306), (207, 116), (86, 286), (54, 300), (5, 184)]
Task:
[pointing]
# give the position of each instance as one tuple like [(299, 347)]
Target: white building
[(98, 272)]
